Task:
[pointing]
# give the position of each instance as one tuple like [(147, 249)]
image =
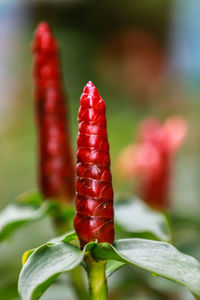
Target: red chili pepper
[(94, 200), (56, 171)]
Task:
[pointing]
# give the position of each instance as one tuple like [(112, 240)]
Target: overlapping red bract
[(56, 172), (94, 199)]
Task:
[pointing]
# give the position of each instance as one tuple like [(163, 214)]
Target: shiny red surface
[(56, 171), (94, 199)]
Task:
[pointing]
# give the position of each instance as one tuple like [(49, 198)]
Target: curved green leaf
[(112, 266), (157, 257), (14, 216), (45, 264), (66, 238), (136, 217), (71, 236), (32, 197), (26, 255)]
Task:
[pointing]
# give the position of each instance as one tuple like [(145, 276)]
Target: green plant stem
[(98, 289)]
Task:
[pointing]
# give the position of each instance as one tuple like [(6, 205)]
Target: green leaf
[(112, 266), (26, 255), (14, 216), (135, 216), (45, 264), (66, 238), (32, 197), (157, 257), (71, 236)]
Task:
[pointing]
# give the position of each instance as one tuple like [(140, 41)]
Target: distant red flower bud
[(56, 171), (94, 199), (152, 158), (166, 138)]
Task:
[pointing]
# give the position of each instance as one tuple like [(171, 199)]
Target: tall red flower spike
[(56, 171), (94, 199)]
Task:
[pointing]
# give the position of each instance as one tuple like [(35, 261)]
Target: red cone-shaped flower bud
[(56, 171), (94, 199)]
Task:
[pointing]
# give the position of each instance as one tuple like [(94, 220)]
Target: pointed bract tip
[(91, 90), (90, 83), (42, 28), (88, 86), (43, 39)]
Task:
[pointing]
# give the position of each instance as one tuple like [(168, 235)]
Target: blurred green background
[(143, 57)]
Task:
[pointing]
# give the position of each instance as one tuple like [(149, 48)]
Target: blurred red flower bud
[(151, 158), (56, 170)]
